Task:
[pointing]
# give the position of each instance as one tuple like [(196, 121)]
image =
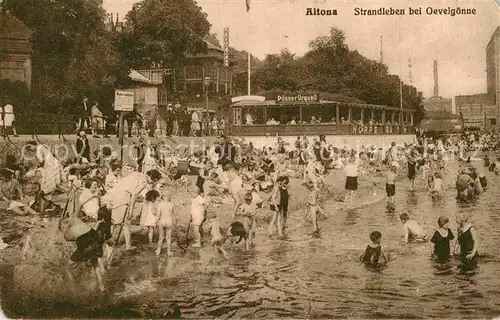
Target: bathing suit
[(411, 170), (89, 248), (283, 203), (442, 246), (390, 189), (466, 245), (372, 255)]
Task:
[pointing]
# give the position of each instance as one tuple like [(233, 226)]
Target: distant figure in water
[(412, 230), (468, 242), (437, 186), (441, 241), (374, 251), (483, 181)]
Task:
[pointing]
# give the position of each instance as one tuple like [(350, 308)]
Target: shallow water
[(301, 277)]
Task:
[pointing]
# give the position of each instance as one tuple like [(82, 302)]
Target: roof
[(271, 103), (13, 28), (211, 46), (137, 77)]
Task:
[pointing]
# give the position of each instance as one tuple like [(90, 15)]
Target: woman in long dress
[(51, 168), (195, 124), (149, 162), (122, 197)]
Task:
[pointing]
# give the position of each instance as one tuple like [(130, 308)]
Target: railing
[(322, 128), (40, 123)]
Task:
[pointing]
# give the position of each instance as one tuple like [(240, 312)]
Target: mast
[(381, 57)]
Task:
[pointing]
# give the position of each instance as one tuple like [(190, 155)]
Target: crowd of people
[(176, 120), (101, 198)]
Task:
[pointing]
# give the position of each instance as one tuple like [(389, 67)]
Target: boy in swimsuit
[(243, 226), (374, 251), (390, 185), (89, 245), (412, 230), (312, 206)]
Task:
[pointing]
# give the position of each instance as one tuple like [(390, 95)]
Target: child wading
[(279, 200), (441, 241), (149, 213), (166, 216), (390, 185), (437, 186), (412, 231), (244, 221), (374, 251), (312, 206), (351, 181)]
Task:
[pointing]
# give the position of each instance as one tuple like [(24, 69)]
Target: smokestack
[(436, 86)]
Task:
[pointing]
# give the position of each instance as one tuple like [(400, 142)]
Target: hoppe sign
[(300, 98)]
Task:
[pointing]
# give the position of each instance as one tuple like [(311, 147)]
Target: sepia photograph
[(243, 159)]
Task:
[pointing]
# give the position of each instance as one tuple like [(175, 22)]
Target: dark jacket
[(83, 148)]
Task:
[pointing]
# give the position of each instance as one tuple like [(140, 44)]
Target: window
[(211, 72), (162, 97), (237, 116), (493, 122), (139, 96), (194, 72)]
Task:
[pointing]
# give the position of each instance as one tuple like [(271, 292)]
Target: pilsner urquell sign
[(297, 98)]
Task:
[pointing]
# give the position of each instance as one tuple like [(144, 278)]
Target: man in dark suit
[(226, 152), (85, 112), (169, 119), (82, 148)]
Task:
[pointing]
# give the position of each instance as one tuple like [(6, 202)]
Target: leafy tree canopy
[(161, 32), (336, 72), (71, 49)]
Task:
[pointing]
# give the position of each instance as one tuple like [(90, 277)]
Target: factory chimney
[(436, 86)]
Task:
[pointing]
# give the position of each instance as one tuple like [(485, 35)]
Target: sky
[(457, 42)]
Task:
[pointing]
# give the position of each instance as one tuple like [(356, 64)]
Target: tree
[(71, 48), (335, 72), (162, 32)]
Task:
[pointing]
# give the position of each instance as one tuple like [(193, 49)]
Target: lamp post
[(206, 82)]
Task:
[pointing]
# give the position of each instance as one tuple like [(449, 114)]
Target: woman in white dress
[(195, 123), (51, 168), (9, 118), (149, 162), (122, 197)]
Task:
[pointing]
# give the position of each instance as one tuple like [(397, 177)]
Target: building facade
[(483, 110), (15, 49), (200, 75)]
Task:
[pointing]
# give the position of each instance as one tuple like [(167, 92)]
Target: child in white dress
[(149, 213)]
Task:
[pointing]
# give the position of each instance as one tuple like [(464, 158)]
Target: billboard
[(124, 100)]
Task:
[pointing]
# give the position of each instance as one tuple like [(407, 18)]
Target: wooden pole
[(121, 133)]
